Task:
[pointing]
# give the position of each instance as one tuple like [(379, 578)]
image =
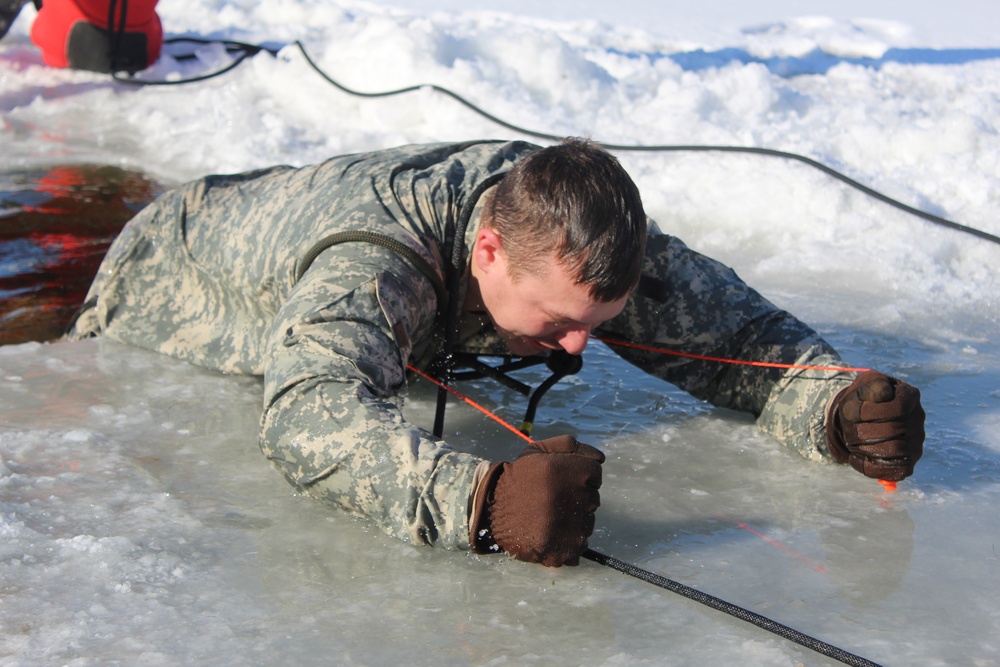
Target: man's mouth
[(525, 346)]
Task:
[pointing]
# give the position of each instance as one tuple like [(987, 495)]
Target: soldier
[(329, 280)]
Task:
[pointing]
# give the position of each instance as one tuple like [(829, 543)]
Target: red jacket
[(94, 34)]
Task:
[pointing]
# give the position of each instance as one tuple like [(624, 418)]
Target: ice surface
[(139, 524)]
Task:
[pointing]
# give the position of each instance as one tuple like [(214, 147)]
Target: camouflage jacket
[(219, 272)]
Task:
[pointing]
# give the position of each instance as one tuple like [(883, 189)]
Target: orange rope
[(497, 419), (469, 401), (889, 486), (723, 360)]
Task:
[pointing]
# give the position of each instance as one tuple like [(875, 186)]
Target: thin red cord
[(723, 360), (889, 486), (469, 401), (500, 421)]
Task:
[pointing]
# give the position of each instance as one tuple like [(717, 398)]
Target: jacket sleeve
[(690, 304), (332, 420)]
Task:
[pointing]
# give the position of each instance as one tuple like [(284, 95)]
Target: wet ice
[(139, 523)]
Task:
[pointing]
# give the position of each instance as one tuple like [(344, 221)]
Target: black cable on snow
[(245, 51), (718, 604), (662, 148), (241, 50)]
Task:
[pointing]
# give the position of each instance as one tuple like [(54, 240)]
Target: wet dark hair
[(573, 198)]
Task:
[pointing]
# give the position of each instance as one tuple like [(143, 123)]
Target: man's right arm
[(332, 422)]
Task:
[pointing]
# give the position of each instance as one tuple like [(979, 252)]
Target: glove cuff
[(834, 433), (480, 539)]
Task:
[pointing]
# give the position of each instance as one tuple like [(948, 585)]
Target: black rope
[(452, 320), (114, 56), (116, 50), (247, 50), (733, 610), (241, 49), (664, 148)]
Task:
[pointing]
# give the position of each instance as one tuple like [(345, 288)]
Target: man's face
[(541, 309)]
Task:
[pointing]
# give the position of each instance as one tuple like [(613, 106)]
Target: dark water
[(56, 224)]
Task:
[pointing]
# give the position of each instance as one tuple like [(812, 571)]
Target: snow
[(140, 525)]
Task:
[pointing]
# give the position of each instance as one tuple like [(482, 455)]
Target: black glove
[(877, 425), (540, 508)]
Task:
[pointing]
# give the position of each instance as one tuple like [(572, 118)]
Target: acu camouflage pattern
[(207, 274), (689, 303)]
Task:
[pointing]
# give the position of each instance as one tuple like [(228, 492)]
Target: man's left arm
[(693, 305)]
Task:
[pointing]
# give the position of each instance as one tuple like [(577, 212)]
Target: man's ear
[(488, 252)]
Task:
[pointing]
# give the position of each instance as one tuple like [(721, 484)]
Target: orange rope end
[(887, 485)]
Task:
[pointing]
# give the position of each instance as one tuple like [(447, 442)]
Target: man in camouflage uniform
[(253, 274)]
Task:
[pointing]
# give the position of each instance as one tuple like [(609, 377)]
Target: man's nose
[(575, 340)]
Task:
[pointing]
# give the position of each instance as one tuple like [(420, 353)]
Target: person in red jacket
[(96, 35), (9, 9)]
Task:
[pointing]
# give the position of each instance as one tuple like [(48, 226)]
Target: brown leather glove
[(877, 425), (540, 508)]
